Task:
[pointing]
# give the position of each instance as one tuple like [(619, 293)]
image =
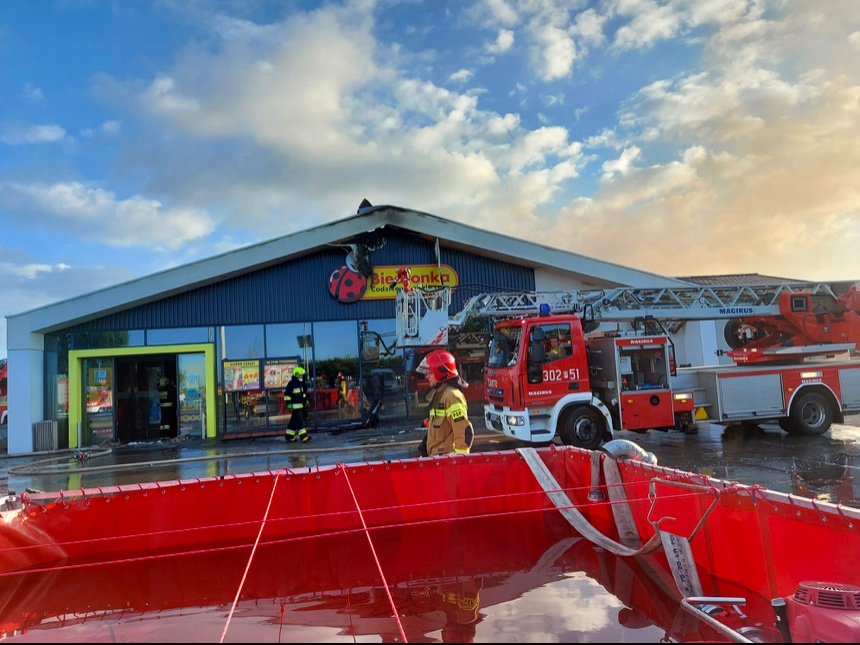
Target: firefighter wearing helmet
[(448, 426), (296, 398)]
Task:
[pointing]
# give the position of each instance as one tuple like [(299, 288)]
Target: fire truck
[(552, 369)]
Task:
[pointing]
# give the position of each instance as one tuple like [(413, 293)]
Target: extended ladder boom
[(626, 303), (422, 317)]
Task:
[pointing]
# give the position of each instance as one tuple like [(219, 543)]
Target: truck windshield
[(504, 346)]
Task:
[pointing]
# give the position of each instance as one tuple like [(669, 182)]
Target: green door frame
[(76, 363)]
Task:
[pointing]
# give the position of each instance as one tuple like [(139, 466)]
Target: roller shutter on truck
[(750, 396), (849, 384)]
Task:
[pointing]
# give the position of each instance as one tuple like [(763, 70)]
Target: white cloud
[(503, 42), (29, 282), (498, 12), (110, 128), (588, 28), (622, 165), (32, 93), (81, 210), (650, 22), (15, 135), (461, 76), (551, 100), (554, 52)]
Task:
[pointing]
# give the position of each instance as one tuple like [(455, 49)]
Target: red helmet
[(441, 363)]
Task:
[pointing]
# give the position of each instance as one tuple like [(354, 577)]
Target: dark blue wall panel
[(297, 290)]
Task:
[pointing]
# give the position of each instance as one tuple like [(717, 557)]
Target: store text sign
[(241, 376), (384, 284)]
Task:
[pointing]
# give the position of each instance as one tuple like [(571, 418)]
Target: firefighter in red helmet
[(448, 426)]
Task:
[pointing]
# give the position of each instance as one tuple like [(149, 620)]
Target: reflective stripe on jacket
[(295, 395)]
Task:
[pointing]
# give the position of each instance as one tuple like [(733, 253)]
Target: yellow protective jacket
[(448, 427)]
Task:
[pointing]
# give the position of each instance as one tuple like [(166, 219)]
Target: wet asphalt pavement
[(823, 467)]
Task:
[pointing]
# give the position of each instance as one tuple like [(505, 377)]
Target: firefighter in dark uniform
[(296, 397), (167, 401), (448, 426)]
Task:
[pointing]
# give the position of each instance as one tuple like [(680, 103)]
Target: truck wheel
[(788, 425), (811, 414), (581, 427)]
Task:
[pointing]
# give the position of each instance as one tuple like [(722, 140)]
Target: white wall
[(26, 397), (695, 343)]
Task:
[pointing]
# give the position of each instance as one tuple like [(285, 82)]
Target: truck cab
[(545, 376), (537, 381)]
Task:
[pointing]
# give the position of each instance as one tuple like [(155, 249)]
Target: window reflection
[(192, 395), (334, 386), (287, 345), (136, 338), (277, 373), (382, 369), (246, 402), (178, 336), (243, 341), (283, 339)]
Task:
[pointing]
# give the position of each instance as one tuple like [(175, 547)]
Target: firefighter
[(296, 397), (167, 400), (448, 426), (342, 398), (459, 601), (554, 350)]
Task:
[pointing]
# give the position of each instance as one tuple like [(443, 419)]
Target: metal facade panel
[(297, 291)]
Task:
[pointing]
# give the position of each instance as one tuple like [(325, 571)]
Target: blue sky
[(677, 137)]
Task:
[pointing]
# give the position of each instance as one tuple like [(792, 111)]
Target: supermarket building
[(226, 332)]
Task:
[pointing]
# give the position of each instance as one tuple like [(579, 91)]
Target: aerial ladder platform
[(793, 314)]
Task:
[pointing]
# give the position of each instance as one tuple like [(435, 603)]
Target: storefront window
[(101, 339), (179, 336), (57, 396), (335, 347), (383, 377), (243, 341), (245, 397), (287, 339)]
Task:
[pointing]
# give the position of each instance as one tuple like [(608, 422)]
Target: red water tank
[(824, 612)]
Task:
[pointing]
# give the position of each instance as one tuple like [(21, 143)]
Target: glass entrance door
[(192, 395), (146, 397), (98, 425)]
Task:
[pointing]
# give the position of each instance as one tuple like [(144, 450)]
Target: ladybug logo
[(346, 285)]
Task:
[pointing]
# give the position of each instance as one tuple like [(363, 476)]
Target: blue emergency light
[(544, 309)]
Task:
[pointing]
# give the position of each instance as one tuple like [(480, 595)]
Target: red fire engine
[(552, 373)]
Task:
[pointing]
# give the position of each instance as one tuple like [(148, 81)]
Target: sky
[(680, 138)]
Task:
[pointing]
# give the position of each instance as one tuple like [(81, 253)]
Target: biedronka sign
[(379, 285)]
